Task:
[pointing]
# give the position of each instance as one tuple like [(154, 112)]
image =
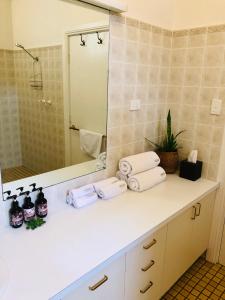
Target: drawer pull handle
[(146, 247), (98, 284), (147, 288), (199, 209), (148, 266), (193, 213)]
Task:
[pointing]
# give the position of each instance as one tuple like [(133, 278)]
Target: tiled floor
[(203, 280)]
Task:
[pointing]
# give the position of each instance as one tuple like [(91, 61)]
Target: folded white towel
[(101, 161), (100, 184), (112, 190), (120, 176), (138, 163), (90, 142), (146, 180), (85, 200), (79, 192)]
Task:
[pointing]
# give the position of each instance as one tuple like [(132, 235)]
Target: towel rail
[(73, 127)]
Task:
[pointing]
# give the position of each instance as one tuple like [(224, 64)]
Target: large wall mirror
[(53, 91)]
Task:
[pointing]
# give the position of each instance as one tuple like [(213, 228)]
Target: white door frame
[(86, 28)]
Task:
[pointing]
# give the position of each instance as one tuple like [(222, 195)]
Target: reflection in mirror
[(53, 87)]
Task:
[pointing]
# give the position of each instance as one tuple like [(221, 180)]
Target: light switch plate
[(216, 106), (135, 104)]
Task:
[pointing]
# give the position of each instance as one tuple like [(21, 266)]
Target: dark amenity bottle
[(41, 205), (28, 208), (15, 214)]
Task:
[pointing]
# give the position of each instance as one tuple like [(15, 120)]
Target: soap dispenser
[(15, 214), (41, 205), (28, 208)]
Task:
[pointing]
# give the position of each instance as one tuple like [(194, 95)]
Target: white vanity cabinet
[(107, 284), (187, 238), (147, 270), (144, 266)]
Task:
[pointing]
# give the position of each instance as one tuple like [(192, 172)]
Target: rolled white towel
[(138, 163), (146, 180), (112, 190), (100, 184), (79, 192), (121, 176), (85, 200)]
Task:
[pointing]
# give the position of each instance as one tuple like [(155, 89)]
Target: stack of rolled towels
[(88, 194), (141, 171)]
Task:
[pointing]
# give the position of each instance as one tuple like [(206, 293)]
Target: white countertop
[(74, 242)]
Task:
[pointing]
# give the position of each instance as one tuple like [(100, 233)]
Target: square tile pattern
[(203, 280)]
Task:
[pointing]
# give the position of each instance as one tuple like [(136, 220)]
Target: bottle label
[(17, 219), (29, 214), (42, 209)]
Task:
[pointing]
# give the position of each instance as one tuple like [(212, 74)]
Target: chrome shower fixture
[(20, 46)]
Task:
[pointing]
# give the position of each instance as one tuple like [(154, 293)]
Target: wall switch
[(135, 104), (216, 106)]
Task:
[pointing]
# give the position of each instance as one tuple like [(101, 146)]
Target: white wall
[(155, 12), (6, 39), (43, 23), (192, 13)]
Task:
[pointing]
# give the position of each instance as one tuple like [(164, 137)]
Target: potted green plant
[(167, 149)]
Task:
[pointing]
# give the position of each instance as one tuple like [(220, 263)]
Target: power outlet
[(135, 104), (216, 106)]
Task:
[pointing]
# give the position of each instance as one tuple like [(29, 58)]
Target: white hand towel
[(112, 190), (90, 142), (85, 200), (79, 192), (100, 184), (146, 180), (121, 176), (138, 163)]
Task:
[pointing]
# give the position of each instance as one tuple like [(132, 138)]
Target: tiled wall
[(139, 69), (197, 76), (42, 126), (10, 150)]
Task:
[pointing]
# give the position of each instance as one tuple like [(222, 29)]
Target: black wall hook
[(21, 190), (83, 43), (34, 187), (100, 40), (8, 193)]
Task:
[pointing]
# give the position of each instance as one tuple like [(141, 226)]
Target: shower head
[(22, 47)]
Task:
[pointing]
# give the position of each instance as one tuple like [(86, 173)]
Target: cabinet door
[(202, 225), (107, 284), (144, 265), (178, 254)]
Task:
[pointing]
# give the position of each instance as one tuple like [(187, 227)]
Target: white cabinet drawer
[(144, 266), (107, 284)]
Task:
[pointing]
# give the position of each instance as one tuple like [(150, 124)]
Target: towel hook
[(100, 40), (83, 43)]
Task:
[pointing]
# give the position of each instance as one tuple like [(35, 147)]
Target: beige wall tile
[(197, 40), (214, 56), (192, 76), (195, 57), (212, 77)]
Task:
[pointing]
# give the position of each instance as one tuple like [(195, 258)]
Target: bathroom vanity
[(132, 247)]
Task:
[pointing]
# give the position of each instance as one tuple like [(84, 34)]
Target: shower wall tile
[(41, 126), (196, 77), (10, 150)]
